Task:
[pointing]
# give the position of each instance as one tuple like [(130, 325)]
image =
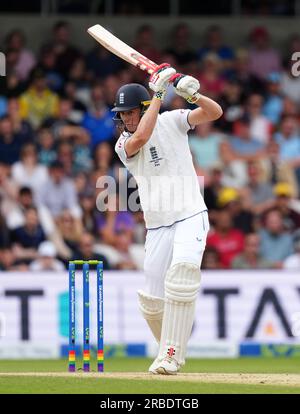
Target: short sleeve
[(180, 117), (120, 148)]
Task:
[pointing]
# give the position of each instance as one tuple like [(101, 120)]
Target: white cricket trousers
[(184, 241)]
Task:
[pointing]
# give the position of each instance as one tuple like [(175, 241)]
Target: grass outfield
[(129, 376)]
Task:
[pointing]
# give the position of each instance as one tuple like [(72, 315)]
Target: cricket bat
[(119, 48)]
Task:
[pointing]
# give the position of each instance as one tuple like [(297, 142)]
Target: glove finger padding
[(186, 86), (160, 78)]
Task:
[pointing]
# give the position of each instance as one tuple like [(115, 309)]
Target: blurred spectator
[(7, 259), (89, 212), (263, 59), (103, 159), (58, 193), (59, 122), (65, 53), (4, 233), (78, 107), (211, 81), (180, 48), (226, 239), (288, 139), (125, 260), (102, 63), (231, 101), (46, 260), (25, 58), (113, 222), (273, 106), (48, 63), (8, 190), (99, 120), (211, 259), (10, 141), (69, 228), (28, 237), (276, 244), (293, 261), (66, 157), (20, 127), (38, 102), (27, 171), (214, 43), (85, 250), (260, 126), (46, 150), (204, 144), (283, 202), (145, 43), (22, 201), (212, 188), (250, 258), (242, 217)]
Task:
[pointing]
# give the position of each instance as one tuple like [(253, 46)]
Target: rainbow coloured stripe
[(72, 361)]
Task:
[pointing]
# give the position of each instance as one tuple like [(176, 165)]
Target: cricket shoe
[(153, 367), (167, 366)]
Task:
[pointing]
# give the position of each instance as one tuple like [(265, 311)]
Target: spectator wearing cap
[(242, 217), (38, 102), (46, 260), (286, 204), (276, 243), (273, 106), (226, 239), (293, 262), (58, 192), (205, 145), (288, 139), (250, 258), (263, 59)]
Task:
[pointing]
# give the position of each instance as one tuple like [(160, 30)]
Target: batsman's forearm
[(148, 120), (209, 106)]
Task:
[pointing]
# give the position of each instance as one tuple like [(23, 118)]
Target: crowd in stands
[(57, 137)]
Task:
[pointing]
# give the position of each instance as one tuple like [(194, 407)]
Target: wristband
[(160, 95), (194, 98)]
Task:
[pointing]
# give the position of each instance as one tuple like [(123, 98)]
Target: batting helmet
[(131, 96)]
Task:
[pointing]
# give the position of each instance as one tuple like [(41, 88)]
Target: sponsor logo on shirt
[(154, 156)]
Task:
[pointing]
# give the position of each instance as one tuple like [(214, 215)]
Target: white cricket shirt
[(167, 182)]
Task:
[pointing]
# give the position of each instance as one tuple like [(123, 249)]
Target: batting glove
[(186, 86), (160, 79)]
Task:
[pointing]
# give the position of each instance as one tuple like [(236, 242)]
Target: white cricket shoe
[(153, 367), (167, 366)]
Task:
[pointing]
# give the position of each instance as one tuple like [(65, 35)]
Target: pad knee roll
[(182, 282)]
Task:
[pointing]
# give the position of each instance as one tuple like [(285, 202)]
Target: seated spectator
[(276, 243), (46, 260), (59, 192), (46, 151), (78, 105), (250, 258), (214, 44), (27, 172), (15, 215), (26, 60), (102, 63), (260, 126), (38, 103), (284, 202), (211, 259), (290, 84), (259, 191), (113, 221), (231, 101), (89, 212), (226, 239), (293, 262), (103, 159), (65, 156), (263, 59), (47, 62), (10, 142), (85, 250), (20, 127), (64, 51), (8, 191), (82, 152), (211, 81), (4, 233), (180, 48), (27, 238), (242, 217), (123, 242), (204, 144), (288, 139), (145, 43), (69, 228), (98, 121), (273, 106), (8, 261), (61, 125)]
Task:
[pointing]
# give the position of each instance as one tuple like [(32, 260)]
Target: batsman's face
[(131, 119)]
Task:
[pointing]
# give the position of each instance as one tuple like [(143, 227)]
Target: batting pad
[(152, 309), (181, 289)]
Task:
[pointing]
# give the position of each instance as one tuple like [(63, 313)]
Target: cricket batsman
[(156, 145)]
